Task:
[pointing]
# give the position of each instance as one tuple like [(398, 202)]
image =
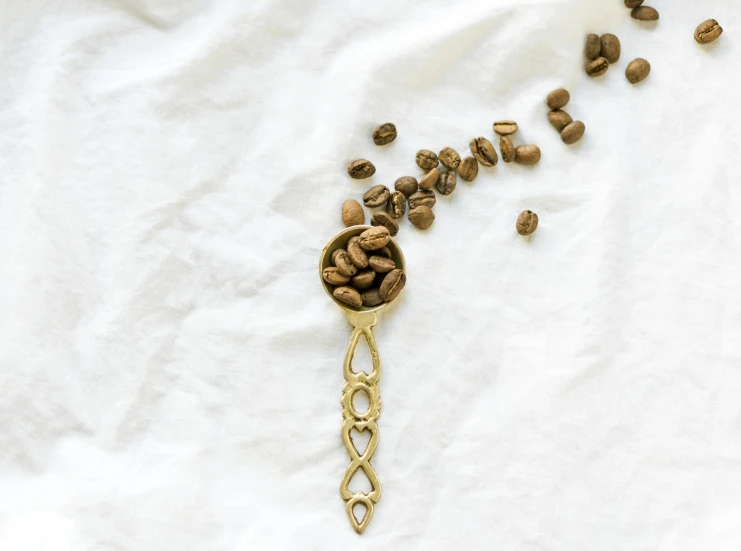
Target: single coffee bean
[(429, 180), (558, 98), (341, 259), (352, 213), (356, 253), (645, 13), (372, 297), (381, 264), (383, 219), (333, 276), (392, 285), (424, 197), (637, 70), (426, 159), (407, 185), (449, 158), (447, 182), (505, 128), (376, 196), (527, 154), (559, 119), (374, 238), (483, 151), (469, 169), (592, 48), (509, 153), (573, 133), (363, 280), (633, 3), (421, 217), (348, 295), (598, 67), (397, 205), (383, 251), (707, 31), (527, 222), (360, 169), (610, 47), (384, 134)]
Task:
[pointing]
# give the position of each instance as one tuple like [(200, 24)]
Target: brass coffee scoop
[(362, 320)]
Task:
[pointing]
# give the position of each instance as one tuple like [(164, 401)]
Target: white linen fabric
[(170, 366)]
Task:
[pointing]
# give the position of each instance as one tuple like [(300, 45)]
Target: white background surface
[(170, 367)]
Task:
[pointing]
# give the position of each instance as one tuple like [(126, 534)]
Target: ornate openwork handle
[(362, 323)]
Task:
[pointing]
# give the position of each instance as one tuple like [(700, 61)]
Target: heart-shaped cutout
[(360, 440)]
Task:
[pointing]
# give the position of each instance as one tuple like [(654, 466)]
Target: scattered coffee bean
[(483, 151), (573, 132), (426, 159), (397, 205), (381, 264), (527, 222), (505, 128), (372, 297), (348, 295), (558, 98), (363, 280), (360, 169), (430, 179), (592, 48), (509, 153), (352, 213), (449, 158), (376, 196), (392, 285), (342, 261), (447, 182), (637, 70), (610, 47), (559, 119), (384, 134), (407, 185), (333, 276), (374, 238), (633, 3), (598, 67), (383, 219), (645, 13), (527, 154), (707, 31), (423, 197), (469, 169), (356, 253), (422, 217)]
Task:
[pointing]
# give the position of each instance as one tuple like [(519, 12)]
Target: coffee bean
[(372, 297), (527, 154), (610, 47), (360, 169), (645, 13), (407, 185), (633, 3), (422, 217), (505, 128), (483, 151), (637, 70), (384, 134), (430, 179), (392, 285), (383, 251), (558, 98), (384, 220), (424, 197), (374, 238), (363, 280), (333, 276), (348, 295), (352, 213), (397, 205), (509, 153), (592, 48), (341, 259), (598, 67), (449, 158), (376, 196), (447, 182), (527, 222), (572, 133), (469, 169), (356, 253), (381, 264), (426, 159), (707, 31), (559, 119)]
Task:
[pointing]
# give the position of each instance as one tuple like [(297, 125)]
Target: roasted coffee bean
[(360, 169), (426, 159), (598, 67), (381, 264), (407, 185), (610, 47), (384, 134), (637, 70), (424, 197), (397, 205), (384, 251), (430, 179), (341, 259), (333, 276), (352, 213), (348, 295), (392, 285), (559, 119), (527, 222), (558, 98), (372, 297), (469, 169), (527, 154), (449, 158), (505, 128), (483, 151), (374, 238), (633, 3), (363, 280), (707, 31), (422, 217), (572, 133), (645, 13), (384, 220), (447, 182), (356, 253), (509, 153), (376, 196), (592, 48)]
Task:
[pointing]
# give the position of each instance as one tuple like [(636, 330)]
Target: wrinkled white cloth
[(170, 366)]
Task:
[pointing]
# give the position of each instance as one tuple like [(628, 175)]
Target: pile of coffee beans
[(603, 51), (527, 154), (571, 131)]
